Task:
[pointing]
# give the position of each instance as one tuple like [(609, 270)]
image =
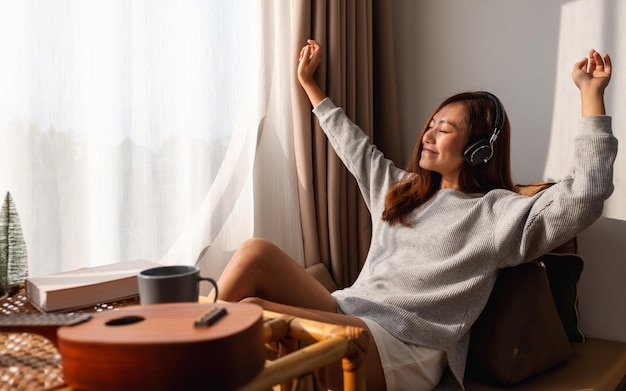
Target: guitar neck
[(45, 324)]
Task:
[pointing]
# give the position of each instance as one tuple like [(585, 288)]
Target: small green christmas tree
[(13, 257)]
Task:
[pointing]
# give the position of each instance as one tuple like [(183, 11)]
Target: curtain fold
[(255, 192), (357, 73)]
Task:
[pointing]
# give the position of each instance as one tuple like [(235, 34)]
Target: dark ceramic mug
[(171, 284)]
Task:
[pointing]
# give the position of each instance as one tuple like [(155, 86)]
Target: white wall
[(509, 48)]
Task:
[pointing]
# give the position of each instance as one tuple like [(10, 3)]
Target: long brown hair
[(419, 185)]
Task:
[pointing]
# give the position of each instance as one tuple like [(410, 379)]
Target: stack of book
[(86, 287)]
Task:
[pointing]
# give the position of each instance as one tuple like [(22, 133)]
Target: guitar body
[(157, 347)]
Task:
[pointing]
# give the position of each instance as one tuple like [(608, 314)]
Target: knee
[(252, 252), (255, 248)]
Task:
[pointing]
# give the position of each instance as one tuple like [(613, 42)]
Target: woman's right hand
[(310, 58)]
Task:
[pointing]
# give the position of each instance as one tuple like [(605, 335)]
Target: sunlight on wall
[(587, 24)]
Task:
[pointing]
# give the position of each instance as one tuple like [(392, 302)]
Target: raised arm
[(591, 75), (310, 58)]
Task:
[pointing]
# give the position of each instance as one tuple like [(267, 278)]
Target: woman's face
[(443, 144)]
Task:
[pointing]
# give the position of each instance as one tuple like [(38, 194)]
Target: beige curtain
[(357, 73)]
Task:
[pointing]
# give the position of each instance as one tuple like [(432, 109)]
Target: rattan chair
[(303, 368)]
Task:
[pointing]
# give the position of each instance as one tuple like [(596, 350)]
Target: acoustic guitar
[(175, 346)]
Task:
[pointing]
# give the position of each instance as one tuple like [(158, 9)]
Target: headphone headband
[(498, 122)]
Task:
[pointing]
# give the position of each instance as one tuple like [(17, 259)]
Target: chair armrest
[(328, 344)]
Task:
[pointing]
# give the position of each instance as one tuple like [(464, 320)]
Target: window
[(116, 116)]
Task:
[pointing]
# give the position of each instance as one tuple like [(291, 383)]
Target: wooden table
[(29, 361)]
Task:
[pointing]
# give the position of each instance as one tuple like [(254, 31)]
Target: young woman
[(441, 229)]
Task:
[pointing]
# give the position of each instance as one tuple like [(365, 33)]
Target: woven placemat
[(30, 361)]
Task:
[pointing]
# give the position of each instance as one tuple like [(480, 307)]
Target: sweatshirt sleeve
[(562, 211), (373, 172)]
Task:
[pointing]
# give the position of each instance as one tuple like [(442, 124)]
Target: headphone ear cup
[(482, 150), (477, 152)]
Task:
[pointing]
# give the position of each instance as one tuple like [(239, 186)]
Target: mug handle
[(212, 281)]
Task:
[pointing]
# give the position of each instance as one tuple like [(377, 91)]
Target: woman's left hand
[(591, 76), (592, 73)]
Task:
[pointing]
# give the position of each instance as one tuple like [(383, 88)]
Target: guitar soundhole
[(125, 320)]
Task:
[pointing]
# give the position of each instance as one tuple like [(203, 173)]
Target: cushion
[(320, 272), (564, 271), (564, 268), (530, 189), (596, 365), (519, 333)]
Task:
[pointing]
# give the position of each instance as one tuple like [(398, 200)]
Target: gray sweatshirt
[(426, 284)]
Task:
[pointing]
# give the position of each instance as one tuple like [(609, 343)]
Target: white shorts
[(406, 366)]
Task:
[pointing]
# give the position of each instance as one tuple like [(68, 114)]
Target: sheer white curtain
[(587, 24), (131, 129)]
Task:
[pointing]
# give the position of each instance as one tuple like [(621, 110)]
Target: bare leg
[(260, 269), (261, 273)]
